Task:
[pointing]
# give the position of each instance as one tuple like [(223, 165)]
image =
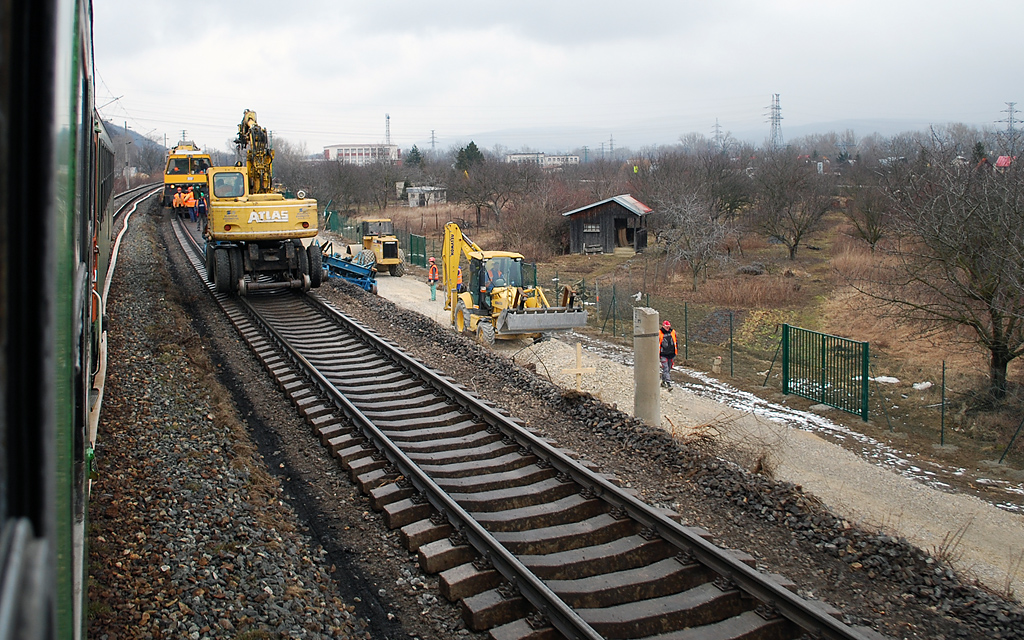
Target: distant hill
[(666, 132)]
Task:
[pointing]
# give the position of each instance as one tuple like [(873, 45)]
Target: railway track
[(533, 543)]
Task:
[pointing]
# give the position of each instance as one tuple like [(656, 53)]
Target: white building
[(542, 160), (361, 154), (426, 196)]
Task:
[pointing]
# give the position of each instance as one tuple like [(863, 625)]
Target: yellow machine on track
[(252, 230), (186, 167), (494, 302)]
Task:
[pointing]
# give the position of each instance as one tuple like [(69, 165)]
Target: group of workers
[(192, 201)]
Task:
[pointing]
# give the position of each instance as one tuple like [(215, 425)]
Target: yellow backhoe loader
[(493, 302)]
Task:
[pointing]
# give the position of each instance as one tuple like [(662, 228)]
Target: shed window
[(592, 227)]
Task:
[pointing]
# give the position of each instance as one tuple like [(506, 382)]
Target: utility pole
[(611, 145), (127, 159), (718, 135), (433, 142), (1011, 133), (184, 135), (602, 151), (775, 118)]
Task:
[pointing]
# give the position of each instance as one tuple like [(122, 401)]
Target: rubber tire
[(237, 272), (222, 282), (397, 270), (208, 259), (316, 266), (302, 256), (485, 334), (461, 317)]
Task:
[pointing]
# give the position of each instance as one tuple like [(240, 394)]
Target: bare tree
[(959, 256), (790, 198), (693, 236)]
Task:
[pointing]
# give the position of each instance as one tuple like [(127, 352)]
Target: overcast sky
[(551, 74)]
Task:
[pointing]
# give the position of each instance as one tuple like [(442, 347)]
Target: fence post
[(822, 363), (785, 359), (686, 331), (730, 345), (865, 376), (942, 427)]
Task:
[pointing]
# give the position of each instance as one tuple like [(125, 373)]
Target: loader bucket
[(541, 320)]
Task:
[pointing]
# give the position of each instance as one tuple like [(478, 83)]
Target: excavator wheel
[(316, 266), (302, 257), (461, 317), (485, 334), (397, 270), (221, 271)]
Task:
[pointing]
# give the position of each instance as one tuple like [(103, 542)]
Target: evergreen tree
[(414, 157)]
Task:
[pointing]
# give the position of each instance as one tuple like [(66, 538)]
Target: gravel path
[(981, 540)]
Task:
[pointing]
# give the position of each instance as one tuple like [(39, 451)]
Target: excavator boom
[(259, 157)]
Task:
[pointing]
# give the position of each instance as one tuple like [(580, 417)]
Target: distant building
[(361, 154), (542, 160), (609, 224), (426, 196)]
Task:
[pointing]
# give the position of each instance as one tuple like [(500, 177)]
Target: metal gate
[(828, 369), (417, 250)]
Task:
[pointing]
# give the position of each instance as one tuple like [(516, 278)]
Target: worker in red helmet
[(432, 278), (669, 350)]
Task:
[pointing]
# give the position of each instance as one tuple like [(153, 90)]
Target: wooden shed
[(618, 222)]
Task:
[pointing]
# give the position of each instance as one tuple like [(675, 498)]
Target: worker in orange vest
[(669, 348), (432, 278), (458, 281), (189, 202), (176, 201)]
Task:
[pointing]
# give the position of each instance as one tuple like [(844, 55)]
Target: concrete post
[(646, 366)]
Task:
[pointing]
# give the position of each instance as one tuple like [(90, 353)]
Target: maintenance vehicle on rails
[(186, 167), (497, 303), (255, 231)]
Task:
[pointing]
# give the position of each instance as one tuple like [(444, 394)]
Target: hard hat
[(190, 188), (432, 259), (666, 324), (179, 188)]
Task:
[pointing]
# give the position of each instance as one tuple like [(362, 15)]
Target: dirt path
[(979, 539)]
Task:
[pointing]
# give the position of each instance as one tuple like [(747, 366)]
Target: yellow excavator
[(254, 236), (493, 302)]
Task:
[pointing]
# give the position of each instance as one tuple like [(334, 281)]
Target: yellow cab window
[(229, 185)]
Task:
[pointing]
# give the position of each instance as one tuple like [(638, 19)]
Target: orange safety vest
[(189, 200), (432, 273), (675, 342), (458, 279)]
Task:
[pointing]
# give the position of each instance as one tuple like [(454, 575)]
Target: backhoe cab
[(494, 301)]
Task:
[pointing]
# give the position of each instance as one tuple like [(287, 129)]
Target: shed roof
[(625, 200), (1005, 161)]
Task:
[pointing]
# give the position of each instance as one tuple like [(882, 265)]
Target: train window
[(229, 185), (200, 165), (177, 165)]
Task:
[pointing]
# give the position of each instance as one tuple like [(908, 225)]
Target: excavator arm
[(259, 157)]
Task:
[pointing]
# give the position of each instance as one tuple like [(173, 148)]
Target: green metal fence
[(825, 368), (417, 252)]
